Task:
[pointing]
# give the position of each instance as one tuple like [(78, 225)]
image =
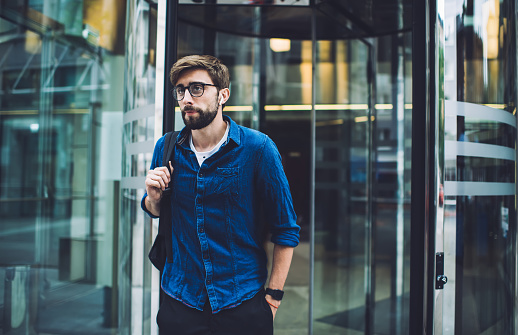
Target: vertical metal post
[(398, 94), (312, 173), (514, 326), (114, 312), (400, 162), (91, 245), (369, 271), (44, 143), (161, 76), (437, 233), (515, 236), (171, 55), (422, 233), (257, 103), (209, 35)]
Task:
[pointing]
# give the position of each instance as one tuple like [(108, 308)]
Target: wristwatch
[(276, 294)]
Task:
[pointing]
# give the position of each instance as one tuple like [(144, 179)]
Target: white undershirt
[(202, 156)]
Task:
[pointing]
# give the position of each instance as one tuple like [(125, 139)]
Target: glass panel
[(292, 19), (341, 204), (362, 231), (480, 186), (237, 53), (287, 121), (138, 279), (275, 76), (270, 91), (58, 184), (392, 175)]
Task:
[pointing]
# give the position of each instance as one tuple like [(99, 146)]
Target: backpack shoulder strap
[(164, 225), (170, 139)]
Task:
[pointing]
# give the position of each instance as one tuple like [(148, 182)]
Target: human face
[(198, 112)]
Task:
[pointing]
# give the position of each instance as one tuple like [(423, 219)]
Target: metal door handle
[(440, 278)]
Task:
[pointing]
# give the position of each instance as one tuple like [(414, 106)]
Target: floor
[(78, 308), (339, 300)]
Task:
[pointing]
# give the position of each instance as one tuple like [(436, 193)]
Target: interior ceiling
[(335, 19)]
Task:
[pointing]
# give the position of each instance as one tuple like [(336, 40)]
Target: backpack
[(162, 249)]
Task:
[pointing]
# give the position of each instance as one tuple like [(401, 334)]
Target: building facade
[(396, 122)]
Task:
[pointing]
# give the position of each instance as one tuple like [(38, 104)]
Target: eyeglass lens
[(196, 90)]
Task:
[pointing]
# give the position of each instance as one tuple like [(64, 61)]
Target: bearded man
[(227, 185)]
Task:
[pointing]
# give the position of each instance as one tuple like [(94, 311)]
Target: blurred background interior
[(82, 90)]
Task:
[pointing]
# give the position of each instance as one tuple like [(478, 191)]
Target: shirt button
[(201, 175), (205, 255), (200, 230), (209, 281)]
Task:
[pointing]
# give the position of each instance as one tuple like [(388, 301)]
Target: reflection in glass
[(58, 186), (137, 278), (341, 205), (279, 85), (481, 167), (362, 199), (362, 169)]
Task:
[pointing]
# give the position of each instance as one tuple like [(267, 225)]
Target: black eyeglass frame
[(173, 91)]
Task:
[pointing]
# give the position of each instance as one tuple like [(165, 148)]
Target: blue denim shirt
[(218, 235)]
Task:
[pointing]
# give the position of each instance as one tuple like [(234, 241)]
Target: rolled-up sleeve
[(276, 196), (155, 161)]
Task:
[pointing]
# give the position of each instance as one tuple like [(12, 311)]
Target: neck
[(206, 139)]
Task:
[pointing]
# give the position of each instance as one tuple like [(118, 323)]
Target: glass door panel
[(238, 53), (392, 149), (342, 176), (362, 195), (362, 160), (480, 174), (270, 91), (287, 121), (56, 213)]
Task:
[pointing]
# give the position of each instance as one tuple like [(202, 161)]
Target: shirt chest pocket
[(226, 181)]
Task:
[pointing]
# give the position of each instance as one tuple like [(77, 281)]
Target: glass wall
[(361, 97), (362, 186), (138, 297), (343, 201), (480, 175), (80, 92), (270, 91), (60, 138)]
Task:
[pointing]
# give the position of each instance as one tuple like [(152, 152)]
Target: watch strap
[(275, 294)]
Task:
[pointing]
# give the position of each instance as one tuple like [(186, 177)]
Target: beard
[(200, 120)]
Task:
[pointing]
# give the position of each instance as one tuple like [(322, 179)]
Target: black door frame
[(171, 55), (422, 226)]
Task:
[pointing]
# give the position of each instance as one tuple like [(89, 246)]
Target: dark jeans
[(252, 317)]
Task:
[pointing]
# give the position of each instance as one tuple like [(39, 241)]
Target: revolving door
[(310, 76)]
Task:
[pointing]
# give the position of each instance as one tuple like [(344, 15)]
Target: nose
[(187, 97)]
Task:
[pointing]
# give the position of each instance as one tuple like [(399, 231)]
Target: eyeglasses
[(195, 89)]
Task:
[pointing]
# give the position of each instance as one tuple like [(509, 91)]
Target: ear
[(224, 94)]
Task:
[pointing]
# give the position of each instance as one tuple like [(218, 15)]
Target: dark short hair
[(218, 72)]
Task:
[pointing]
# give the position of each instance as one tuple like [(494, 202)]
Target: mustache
[(190, 108)]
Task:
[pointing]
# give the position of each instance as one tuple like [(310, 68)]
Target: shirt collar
[(233, 133)]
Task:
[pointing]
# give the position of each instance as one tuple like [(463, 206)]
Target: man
[(223, 178)]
